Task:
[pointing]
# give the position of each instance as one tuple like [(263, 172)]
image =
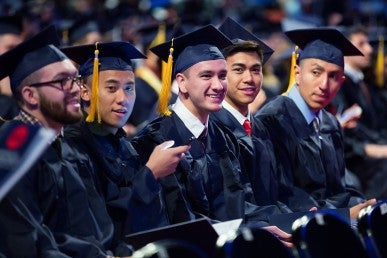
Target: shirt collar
[(308, 114), (241, 118), (193, 124), (26, 117)]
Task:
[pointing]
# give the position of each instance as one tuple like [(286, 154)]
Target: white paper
[(226, 226)]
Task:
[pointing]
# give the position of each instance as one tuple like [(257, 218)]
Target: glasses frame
[(62, 82)]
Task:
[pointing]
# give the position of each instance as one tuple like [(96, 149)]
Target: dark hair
[(243, 46), (355, 29)]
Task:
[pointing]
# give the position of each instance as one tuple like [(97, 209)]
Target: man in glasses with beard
[(54, 210)]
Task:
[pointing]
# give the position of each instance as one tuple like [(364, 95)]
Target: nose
[(219, 84), (368, 49), (324, 82), (247, 77), (123, 97)]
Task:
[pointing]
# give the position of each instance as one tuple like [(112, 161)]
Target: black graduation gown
[(210, 180), (52, 212), (133, 196), (371, 128), (308, 175), (257, 160)]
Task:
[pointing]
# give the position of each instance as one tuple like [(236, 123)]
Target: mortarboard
[(93, 58), (182, 52), (11, 24), (189, 231), (81, 28), (31, 55), (238, 33), (327, 44), (116, 55), (155, 33)]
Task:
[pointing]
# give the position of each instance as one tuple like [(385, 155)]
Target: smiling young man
[(307, 140), (210, 174), (130, 188)]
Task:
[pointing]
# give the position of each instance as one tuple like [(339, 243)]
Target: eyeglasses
[(66, 84)]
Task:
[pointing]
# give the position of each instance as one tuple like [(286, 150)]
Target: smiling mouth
[(73, 102), (121, 111)]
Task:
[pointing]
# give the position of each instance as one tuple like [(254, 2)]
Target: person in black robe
[(54, 210), (245, 58), (148, 75), (130, 188), (210, 174), (307, 140), (366, 143)]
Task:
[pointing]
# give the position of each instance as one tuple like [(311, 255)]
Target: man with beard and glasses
[(131, 189), (54, 210)]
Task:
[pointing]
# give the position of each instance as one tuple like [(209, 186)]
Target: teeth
[(74, 102), (215, 96)]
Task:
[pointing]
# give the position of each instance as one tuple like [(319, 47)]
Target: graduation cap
[(203, 44), (155, 33), (189, 231), (11, 24), (81, 28), (31, 55), (327, 44), (238, 33), (93, 58)]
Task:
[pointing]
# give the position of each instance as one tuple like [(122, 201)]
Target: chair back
[(326, 234), (372, 225)]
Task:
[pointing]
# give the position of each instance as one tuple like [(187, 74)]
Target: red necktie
[(247, 126)]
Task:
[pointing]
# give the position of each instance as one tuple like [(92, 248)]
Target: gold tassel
[(160, 37), (94, 102), (291, 72), (165, 93), (379, 67), (65, 37)]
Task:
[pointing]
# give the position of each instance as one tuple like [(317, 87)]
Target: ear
[(343, 78), (30, 95), (85, 93), (181, 82)]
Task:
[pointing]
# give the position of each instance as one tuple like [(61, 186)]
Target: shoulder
[(224, 136), (278, 104)]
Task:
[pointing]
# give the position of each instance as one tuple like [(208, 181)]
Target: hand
[(354, 211), (285, 238), (376, 151), (348, 119), (164, 159)]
